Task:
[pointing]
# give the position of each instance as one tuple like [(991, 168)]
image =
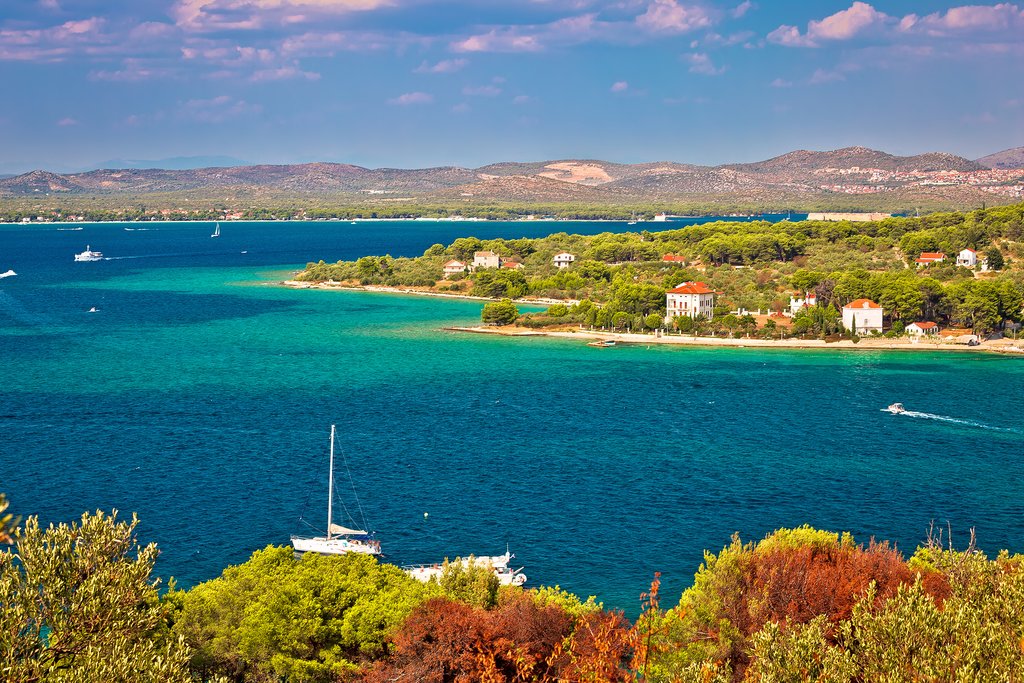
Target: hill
[(853, 178), (1007, 159)]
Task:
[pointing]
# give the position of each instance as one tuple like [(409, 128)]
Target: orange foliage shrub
[(450, 642)]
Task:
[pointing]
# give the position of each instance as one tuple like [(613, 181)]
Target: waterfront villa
[(486, 259), (454, 267), (929, 257), (563, 259), (921, 329), (798, 301), (689, 300), (967, 258), (862, 316)]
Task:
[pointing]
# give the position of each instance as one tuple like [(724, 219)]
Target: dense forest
[(78, 603), (619, 280)]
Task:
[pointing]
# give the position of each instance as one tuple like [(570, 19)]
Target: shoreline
[(1007, 348), (384, 289), (1003, 347)]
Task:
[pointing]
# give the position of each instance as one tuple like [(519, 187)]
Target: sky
[(417, 83)]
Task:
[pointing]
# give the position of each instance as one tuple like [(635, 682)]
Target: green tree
[(995, 258), (502, 312), (77, 605)]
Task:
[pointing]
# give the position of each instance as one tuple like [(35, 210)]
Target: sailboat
[(216, 231), (339, 540)]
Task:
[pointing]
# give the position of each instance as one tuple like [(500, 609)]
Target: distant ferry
[(88, 255)]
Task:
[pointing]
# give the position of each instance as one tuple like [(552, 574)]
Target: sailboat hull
[(335, 546)]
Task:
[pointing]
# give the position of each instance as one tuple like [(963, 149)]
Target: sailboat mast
[(330, 489)]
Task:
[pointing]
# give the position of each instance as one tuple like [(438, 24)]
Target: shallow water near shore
[(201, 397)]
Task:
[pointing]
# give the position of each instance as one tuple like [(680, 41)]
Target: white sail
[(345, 531)]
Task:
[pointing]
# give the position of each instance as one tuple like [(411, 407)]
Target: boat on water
[(602, 343), (895, 409), (216, 231), (89, 255), (499, 564), (94, 310), (9, 273), (338, 540)]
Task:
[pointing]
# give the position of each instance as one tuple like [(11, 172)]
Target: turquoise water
[(201, 397)]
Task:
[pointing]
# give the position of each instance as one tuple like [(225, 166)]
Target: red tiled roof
[(673, 258), (511, 264), (454, 263), (692, 288), (932, 255), (862, 303), (925, 325)]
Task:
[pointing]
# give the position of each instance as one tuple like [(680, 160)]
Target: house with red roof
[(967, 258), (863, 316), (453, 267), (512, 265), (929, 257), (672, 258), (689, 300), (922, 329), (798, 301)]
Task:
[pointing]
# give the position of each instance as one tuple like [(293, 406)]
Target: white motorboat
[(9, 273), (499, 564), (89, 255), (895, 409), (338, 540)]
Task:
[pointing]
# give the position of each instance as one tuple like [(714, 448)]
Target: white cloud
[(283, 73), (669, 16), (410, 98), (781, 83), (505, 40), (974, 18), (522, 99), (741, 9), (67, 121), (217, 15), (445, 66), (700, 63), (619, 86), (842, 25)]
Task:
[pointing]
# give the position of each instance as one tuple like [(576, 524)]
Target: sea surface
[(200, 396)]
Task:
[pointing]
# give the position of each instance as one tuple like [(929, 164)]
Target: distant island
[(944, 280), (853, 179)]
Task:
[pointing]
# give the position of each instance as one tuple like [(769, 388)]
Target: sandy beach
[(1002, 346), (419, 291)]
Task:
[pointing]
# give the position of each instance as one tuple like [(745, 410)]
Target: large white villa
[(689, 300), (862, 316)]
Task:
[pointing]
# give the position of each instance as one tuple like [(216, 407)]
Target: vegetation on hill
[(619, 279), (78, 604)]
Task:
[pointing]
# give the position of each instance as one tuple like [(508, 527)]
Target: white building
[(564, 259), (454, 268), (922, 329), (862, 316), (689, 300), (798, 302), (486, 259), (660, 217), (967, 258)]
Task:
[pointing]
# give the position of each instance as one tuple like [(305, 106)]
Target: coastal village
[(735, 282)]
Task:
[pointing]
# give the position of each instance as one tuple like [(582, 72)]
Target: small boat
[(216, 231), (338, 540), (94, 310), (602, 343), (499, 564), (9, 273), (895, 409), (89, 255)]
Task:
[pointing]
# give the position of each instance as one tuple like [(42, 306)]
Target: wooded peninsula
[(960, 270)]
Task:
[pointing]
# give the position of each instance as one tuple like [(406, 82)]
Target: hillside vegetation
[(619, 279), (78, 604)]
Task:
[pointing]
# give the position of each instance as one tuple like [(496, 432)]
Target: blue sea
[(200, 396)]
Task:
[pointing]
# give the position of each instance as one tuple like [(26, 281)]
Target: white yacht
[(89, 255), (338, 540), (9, 273), (216, 231), (895, 409), (499, 564)]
